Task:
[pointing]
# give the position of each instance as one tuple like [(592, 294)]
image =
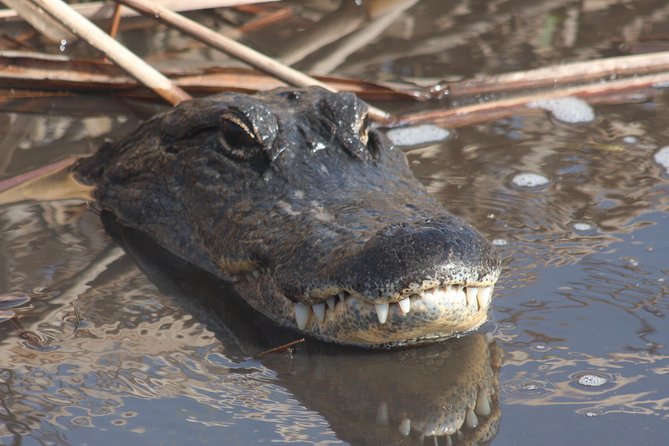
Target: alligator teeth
[(471, 292), (476, 298), (484, 297), (460, 293), (319, 311), (471, 420), (382, 312), (302, 315), (405, 305), (483, 404), (255, 273)]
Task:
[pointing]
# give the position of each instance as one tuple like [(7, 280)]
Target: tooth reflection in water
[(447, 391)]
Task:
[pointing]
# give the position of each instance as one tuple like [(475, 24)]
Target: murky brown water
[(576, 350)]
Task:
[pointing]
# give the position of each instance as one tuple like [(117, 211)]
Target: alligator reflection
[(446, 391)]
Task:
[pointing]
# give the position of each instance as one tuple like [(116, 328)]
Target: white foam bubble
[(500, 242), (569, 109), (662, 157), (529, 179), (418, 135), (592, 380), (582, 226)]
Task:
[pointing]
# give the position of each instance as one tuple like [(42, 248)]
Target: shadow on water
[(367, 397)]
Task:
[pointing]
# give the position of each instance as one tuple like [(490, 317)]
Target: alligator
[(309, 212)]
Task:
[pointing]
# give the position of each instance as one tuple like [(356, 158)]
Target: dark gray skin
[(315, 217)]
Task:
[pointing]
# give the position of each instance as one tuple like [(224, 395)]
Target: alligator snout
[(407, 283), (408, 258)]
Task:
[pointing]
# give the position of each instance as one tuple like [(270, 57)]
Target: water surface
[(120, 344)]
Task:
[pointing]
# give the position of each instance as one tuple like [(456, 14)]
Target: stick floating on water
[(233, 48), (113, 50)]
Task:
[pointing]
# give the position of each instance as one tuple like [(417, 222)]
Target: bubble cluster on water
[(570, 110), (540, 347), (500, 242), (582, 227), (529, 180), (592, 380), (529, 388), (418, 135)]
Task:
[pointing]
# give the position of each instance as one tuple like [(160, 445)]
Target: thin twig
[(47, 26), (497, 109), (233, 48), (32, 337), (116, 20), (100, 9), (77, 317), (279, 349), (548, 77), (114, 50), (12, 182)]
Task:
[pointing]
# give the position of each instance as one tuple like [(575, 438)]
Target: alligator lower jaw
[(460, 424), (474, 297), (425, 316)]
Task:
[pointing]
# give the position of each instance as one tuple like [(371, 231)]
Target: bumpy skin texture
[(292, 197)]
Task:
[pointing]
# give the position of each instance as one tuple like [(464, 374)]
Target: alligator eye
[(237, 137)]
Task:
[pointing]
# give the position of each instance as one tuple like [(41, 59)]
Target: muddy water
[(121, 344)]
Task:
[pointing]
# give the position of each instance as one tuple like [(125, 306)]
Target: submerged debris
[(662, 157), (568, 109), (529, 179), (417, 135)]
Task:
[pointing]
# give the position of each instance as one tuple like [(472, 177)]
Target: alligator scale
[(312, 215)]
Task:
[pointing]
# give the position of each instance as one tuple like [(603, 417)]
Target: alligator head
[(312, 214)]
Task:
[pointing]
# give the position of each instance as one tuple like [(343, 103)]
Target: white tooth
[(319, 311), (471, 419), (382, 418), (331, 302), (405, 427), (341, 296), (302, 315), (451, 293), (405, 305), (382, 312), (460, 295), (449, 441), (249, 277), (471, 296), (483, 404), (255, 273), (484, 296)]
